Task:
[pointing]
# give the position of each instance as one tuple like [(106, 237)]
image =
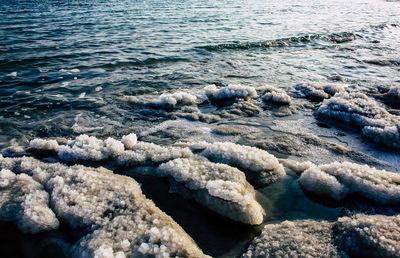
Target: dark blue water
[(67, 62)]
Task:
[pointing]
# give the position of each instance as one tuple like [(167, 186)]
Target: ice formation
[(260, 166), (230, 92), (221, 188), (339, 180), (318, 91), (356, 109), (275, 95), (119, 219), (304, 238), (25, 201), (369, 235)]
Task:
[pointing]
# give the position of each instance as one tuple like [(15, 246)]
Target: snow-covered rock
[(221, 188), (339, 180)]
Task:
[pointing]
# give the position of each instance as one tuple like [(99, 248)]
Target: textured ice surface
[(361, 112), (242, 108), (369, 235), (25, 201), (119, 219), (259, 165), (338, 180), (319, 91), (220, 187), (275, 95), (304, 238), (230, 92)]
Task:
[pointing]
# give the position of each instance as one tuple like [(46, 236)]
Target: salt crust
[(165, 100), (339, 180), (306, 238), (220, 187), (260, 166), (357, 236), (275, 95), (120, 220), (356, 109), (369, 235), (320, 91), (24, 201), (229, 92)]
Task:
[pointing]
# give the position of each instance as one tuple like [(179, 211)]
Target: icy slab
[(339, 180), (319, 91), (25, 201), (242, 108), (304, 238), (361, 112), (126, 152), (230, 92), (260, 166), (275, 95), (219, 187), (369, 235), (119, 219)]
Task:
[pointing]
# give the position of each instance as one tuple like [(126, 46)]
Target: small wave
[(293, 41), (383, 62), (136, 63)]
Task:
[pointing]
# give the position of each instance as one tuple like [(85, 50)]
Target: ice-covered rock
[(230, 92), (319, 91), (275, 95), (339, 180), (363, 113), (25, 201), (119, 220), (260, 166), (221, 188), (369, 235), (144, 153), (304, 238)]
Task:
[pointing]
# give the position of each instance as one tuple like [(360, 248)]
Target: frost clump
[(260, 166), (319, 91), (172, 99), (369, 235), (304, 238), (119, 220), (220, 187), (25, 201), (129, 141), (275, 95), (230, 92), (356, 109), (339, 180), (40, 144)]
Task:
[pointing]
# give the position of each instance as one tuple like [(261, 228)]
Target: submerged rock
[(304, 238), (221, 188), (260, 166), (319, 91), (392, 97), (340, 180), (359, 111), (119, 219)]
